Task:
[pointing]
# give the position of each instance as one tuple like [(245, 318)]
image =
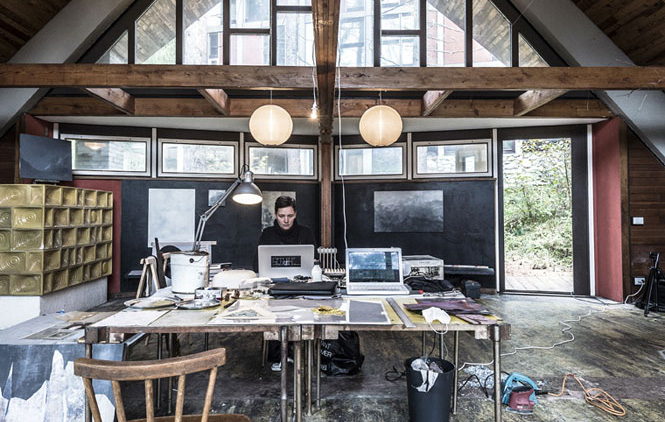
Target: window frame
[(402, 176), (485, 141), (137, 139), (261, 176), (160, 158)]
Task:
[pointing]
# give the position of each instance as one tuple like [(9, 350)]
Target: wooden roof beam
[(432, 100), (298, 77), (218, 98), (531, 100), (325, 16), (115, 97), (350, 107)]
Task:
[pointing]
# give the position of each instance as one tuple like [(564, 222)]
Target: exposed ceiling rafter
[(350, 107), (351, 78), (218, 98), (115, 97), (432, 100), (325, 16), (531, 100)]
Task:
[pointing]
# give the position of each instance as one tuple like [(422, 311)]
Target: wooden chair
[(116, 371)]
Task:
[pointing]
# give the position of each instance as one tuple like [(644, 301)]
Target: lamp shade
[(247, 193), (380, 125), (270, 125)]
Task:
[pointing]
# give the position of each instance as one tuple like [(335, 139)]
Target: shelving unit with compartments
[(53, 237)]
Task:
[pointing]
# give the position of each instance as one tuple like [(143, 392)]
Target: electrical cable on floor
[(565, 330), (394, 375), (596, 397), (634, 294), (483, 386)]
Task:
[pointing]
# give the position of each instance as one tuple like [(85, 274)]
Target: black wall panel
[(468, 222), (236, 228)]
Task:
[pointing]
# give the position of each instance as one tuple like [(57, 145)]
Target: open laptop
[(285, 261), (374, 271)]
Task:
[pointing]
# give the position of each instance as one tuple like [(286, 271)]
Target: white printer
[(423, 265)]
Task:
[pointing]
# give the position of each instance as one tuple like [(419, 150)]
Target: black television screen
[(44, 158)]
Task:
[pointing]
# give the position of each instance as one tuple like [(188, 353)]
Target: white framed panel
[(457, 158), (197, 158), (110, 155), (293, 161), (365, 162)]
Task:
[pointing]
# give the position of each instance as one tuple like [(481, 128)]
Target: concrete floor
[(615, 348)]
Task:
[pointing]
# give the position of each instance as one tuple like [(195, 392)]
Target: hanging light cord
[(339, 137)]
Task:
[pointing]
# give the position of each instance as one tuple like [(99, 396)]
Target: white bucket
[(189, 271)]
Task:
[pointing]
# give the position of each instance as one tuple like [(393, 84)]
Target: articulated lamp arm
[(206, 215), (247, 193)]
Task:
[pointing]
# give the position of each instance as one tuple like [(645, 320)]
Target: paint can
[(189, 271)]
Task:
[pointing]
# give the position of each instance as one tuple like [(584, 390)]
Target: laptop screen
[(375, 265)]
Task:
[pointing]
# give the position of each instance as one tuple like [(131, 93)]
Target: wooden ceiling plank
[(115, 97), (295, 77), (531, 100), (350, 107), (218, 98), (432, 100)]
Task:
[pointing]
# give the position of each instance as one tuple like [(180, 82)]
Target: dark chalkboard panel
[(236, 228), (468, 222)]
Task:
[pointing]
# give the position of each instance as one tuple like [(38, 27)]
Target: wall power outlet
[(638, 281)]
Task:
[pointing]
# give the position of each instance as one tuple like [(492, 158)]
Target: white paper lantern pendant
[(380, 125), (270, 125)]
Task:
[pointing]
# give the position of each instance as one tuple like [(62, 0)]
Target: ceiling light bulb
[(315, 111)]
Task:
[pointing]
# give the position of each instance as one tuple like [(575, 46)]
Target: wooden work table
[(293, 323)]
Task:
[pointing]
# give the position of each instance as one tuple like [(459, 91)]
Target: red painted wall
[(607, 209), (37, 127), (114, 186)]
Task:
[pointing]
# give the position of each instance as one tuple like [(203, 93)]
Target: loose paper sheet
[(171, 215), (129, 318)]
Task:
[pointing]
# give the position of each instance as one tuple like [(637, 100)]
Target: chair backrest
[(148, 371)]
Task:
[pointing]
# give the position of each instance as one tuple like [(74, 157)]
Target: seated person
[(284, 231)]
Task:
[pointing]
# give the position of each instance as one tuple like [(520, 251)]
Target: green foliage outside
[(537, 205)]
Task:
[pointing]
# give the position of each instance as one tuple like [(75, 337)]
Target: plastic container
[(189, 271), (317, 273), (433, 405)]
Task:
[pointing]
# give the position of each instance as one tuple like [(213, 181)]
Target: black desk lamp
[(244, 192)]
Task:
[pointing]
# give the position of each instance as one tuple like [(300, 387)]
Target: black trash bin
[(433, 405)]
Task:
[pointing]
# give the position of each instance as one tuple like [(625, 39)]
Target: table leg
[(424, 346), (456, 363), (308, 378), (318, 373), (297, 369), (159, 381), (171, 338), (441, 346), (284, 343), (496, 338), (88, 412)]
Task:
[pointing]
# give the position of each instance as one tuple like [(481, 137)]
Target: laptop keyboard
[(372, 288), (377, 289)]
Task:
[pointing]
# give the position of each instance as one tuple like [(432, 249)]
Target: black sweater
[(296, 235)]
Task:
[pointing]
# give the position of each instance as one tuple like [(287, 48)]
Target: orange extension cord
[(596, 397)]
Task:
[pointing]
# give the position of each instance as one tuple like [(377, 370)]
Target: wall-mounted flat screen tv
[(43, 158)]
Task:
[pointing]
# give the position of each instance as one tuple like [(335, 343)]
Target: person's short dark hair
[(285, 201)]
